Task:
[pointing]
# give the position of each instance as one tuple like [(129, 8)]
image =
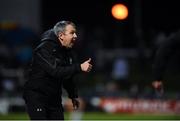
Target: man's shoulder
[(48, 44)]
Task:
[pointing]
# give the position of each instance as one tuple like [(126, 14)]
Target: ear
[(60, 36)]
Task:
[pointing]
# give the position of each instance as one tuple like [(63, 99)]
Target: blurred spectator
[(9, 86), (120, 72), (23, 54), (160, 37), (111, 90), (134, 90)]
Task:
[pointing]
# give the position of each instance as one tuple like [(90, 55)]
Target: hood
[(49, 35)]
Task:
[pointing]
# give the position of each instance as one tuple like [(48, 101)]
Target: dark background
[(101, 37), (158, 14), (150, 16), (146, 19)]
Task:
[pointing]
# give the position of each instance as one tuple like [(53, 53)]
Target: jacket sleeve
[(71, 88), (70, 85), (48, 62), (163, 54)]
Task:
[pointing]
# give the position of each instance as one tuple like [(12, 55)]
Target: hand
[(86, 66), (75, 103), (158, 86)]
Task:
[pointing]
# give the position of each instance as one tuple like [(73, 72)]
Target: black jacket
[(53, 67), (163, 55)]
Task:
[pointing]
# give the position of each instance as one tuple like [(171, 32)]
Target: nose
[(75, 35)]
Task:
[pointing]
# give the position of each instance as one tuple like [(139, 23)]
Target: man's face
[(68, 37)]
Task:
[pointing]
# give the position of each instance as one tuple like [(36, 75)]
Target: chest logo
[(70, 60)]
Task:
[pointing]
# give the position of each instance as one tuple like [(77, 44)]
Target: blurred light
[(8, 25), (119, 11)]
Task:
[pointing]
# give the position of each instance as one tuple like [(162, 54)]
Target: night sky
[(160, 14), (86, 12)]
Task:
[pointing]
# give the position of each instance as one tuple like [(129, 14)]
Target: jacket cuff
[(78, 68), (73, 96)]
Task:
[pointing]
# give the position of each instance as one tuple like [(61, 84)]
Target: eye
[(71, 33)]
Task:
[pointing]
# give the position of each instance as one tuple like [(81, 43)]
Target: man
[(53, 66), (163, 54)]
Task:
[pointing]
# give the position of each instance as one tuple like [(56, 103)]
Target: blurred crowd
[(15, 53)]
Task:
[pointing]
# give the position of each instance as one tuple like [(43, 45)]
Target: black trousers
[(38, 109)]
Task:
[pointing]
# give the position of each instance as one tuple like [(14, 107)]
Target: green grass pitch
[(100, 116)]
